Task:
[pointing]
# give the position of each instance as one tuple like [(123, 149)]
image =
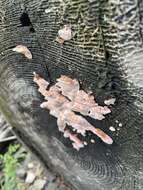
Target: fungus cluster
[(63, 100)]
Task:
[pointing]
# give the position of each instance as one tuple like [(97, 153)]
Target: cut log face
[(105, 48)]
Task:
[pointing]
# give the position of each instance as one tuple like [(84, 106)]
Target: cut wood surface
[(105, 55)]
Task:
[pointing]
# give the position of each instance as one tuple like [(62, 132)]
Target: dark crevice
[(45, 66), (9, 48), (25, 21), (32, 29)]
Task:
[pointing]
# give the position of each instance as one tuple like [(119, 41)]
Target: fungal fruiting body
[(111, 128), (120, 124), (110, 101), (24, 50), (63, 100), (64, 34)]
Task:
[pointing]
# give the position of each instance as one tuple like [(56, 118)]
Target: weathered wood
[(105, 54)]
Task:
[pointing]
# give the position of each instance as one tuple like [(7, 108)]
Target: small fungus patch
[(64, 34), (120, 124), (116, 121), (111, 128), (63, 100), (110, 101), (92, 141), (23, 50)]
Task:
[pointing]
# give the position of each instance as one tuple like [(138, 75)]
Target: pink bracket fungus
[(63, 100), (24, 50)]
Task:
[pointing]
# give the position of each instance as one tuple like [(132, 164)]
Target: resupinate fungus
[(23, 50), (64, 34), (63, 100), (110, 101)]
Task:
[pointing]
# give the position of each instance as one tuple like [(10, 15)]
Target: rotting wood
[(107, 61)]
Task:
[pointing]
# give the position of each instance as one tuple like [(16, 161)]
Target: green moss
[(8, 181)]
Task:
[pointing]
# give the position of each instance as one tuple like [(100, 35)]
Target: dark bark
[(107, 61)]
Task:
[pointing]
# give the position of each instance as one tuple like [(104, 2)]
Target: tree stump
[(105, 54)]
